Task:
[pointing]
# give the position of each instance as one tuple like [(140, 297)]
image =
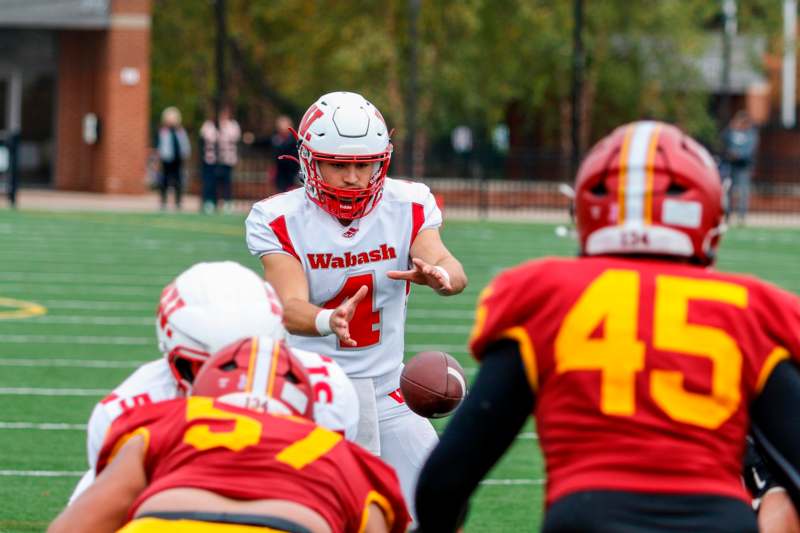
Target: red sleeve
[(494, 313), (504, 307), (142, 421), (779, 316), (783, 322), (383, 489)]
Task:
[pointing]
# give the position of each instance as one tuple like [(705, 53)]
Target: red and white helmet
[(260, 374), (648, 188), (343, 127), (209, 306)]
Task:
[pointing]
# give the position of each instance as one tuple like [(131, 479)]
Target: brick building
[(75, 87)]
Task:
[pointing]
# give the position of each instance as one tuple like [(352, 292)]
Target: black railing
[(467, 187)]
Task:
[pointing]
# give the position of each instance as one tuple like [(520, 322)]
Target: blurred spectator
[(219, 158), (740, 143), (284, 144), (173, 149)]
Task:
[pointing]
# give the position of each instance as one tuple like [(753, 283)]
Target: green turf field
[(99, 276)]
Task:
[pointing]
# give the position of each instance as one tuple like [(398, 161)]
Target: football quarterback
[(342, 252)]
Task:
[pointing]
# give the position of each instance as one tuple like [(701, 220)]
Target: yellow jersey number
[(613, 300), (246, 431)]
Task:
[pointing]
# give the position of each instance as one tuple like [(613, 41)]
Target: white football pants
[(402, 438)]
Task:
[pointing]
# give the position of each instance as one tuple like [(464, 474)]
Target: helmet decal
[(311, 115), (637, 161), (170, 302)]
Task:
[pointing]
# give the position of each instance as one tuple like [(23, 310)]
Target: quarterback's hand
[(342, 315), (424, 274)]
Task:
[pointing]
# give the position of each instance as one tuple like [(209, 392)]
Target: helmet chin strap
[(713, 233), (568, 230), (289, 157)]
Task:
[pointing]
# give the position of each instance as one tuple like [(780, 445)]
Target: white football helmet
[(209, 306), (343, 127)]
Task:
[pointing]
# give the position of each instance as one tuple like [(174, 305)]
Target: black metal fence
[(534, 190)]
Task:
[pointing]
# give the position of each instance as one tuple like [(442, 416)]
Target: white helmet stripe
[(638, 166), (263, 365)]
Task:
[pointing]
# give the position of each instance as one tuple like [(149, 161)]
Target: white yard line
[(15, 287), (102, 363), (46, 258), (73, 339), (441, 313), (55, 426), (99, 305), (438, 329), (449, 348), (509, 482), (83, 277), (43, 426), (94, 320), (72, 363), (42, 473), (103, 305), (411, 327), (35, 391)]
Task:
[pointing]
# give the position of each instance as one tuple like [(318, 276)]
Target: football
[(433, 384)]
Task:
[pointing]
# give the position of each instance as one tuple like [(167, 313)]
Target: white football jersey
[(339, 259), (152, 382), (335, 400), (335, 405)]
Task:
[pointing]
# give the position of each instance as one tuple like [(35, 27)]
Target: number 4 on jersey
[(365, 326)]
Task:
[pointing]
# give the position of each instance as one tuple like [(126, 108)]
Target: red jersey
[(242, 454), (643, 370)]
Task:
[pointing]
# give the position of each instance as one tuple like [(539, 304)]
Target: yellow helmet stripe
[(635, 175), (623, 172), (276, 350), (651, 164), (251, 367)]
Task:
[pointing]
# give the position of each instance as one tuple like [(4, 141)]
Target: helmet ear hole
[(675, 189), (229, 366), (600, 189)]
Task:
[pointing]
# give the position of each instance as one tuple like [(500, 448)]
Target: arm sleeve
[(779, 317), (482, 429), (260, 233), (776, 426), (98, 425), (432, 213)]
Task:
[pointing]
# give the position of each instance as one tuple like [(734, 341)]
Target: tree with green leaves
[(480, 62)]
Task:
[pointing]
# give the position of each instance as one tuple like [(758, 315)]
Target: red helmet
[(343, 127), (258, 373), (648, 188)]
